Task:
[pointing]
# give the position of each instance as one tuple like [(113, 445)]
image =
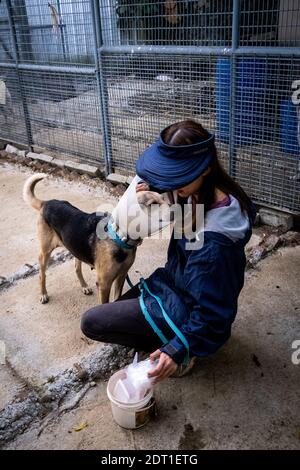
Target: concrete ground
[(246, 396)]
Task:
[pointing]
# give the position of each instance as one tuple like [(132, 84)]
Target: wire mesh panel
[(200, 23), (6, 49), (99, 79), (12, 121), (247, 99), (167, 22), (54, 57), (270, 23), (63, 109), (52, 32), (149, 92), (59, 31), (266, 124)]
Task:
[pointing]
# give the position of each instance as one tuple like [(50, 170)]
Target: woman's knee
[(92, 324)]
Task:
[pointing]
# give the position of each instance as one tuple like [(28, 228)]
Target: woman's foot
[(184, 369)]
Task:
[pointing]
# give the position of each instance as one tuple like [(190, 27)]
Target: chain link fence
[(97, 81)]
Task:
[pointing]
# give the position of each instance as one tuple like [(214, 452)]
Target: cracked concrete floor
[(246, 396)]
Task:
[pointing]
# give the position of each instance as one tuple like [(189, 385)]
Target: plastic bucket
[(130, 415)]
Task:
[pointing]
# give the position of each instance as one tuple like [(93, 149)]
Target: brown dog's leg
[(108, 269), (48, 242), (118, 285), (43, 260), (105, 279), (104, 288), (78, 268)]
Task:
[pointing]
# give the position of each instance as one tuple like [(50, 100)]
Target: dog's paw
[(87, 290), (44, 299)]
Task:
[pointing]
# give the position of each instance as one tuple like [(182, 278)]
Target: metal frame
[(50, 68), (203, 50)]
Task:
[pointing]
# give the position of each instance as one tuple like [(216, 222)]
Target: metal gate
[(98, 80)]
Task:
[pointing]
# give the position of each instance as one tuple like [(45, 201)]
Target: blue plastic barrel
[(249, 114), (289, 128)]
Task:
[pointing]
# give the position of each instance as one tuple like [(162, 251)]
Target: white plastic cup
[(129, 415)]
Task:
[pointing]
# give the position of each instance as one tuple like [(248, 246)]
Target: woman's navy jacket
[(199, 288)]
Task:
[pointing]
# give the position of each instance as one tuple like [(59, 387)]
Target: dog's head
[(156, 213), (141, 214)]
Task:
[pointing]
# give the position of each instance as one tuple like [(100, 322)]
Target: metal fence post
[(17, 59), (14, 40), (102, 85), (233, 84), (61, 30)]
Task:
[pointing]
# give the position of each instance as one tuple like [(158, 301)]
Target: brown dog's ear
[(146, 198)]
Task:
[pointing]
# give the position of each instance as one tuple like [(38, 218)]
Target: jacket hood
[(230, 221)]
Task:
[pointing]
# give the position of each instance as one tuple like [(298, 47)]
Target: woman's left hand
[(142, 187), (165, 367)]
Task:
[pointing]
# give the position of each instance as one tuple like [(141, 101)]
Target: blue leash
[(129, 281), (143, 286)]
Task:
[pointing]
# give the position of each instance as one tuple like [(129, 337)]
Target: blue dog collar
[(115, 237)]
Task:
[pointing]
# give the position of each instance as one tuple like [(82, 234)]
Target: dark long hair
[(191, 132)]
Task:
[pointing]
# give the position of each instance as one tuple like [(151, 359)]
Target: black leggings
[(121, 322)]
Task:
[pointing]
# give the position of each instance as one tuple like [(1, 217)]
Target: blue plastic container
[(249, 113), (289, 128)]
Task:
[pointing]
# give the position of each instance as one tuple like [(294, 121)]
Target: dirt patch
[(191, 439)]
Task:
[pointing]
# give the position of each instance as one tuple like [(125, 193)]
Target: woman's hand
[(142, 187), (165, 367)]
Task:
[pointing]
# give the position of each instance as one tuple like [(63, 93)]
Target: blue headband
[(167, 167)]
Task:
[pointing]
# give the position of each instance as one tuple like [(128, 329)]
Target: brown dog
[(62, 225)]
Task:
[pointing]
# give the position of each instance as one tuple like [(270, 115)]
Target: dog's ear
[(147, 198)]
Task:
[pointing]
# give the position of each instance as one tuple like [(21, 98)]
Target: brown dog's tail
[(28, 191)]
